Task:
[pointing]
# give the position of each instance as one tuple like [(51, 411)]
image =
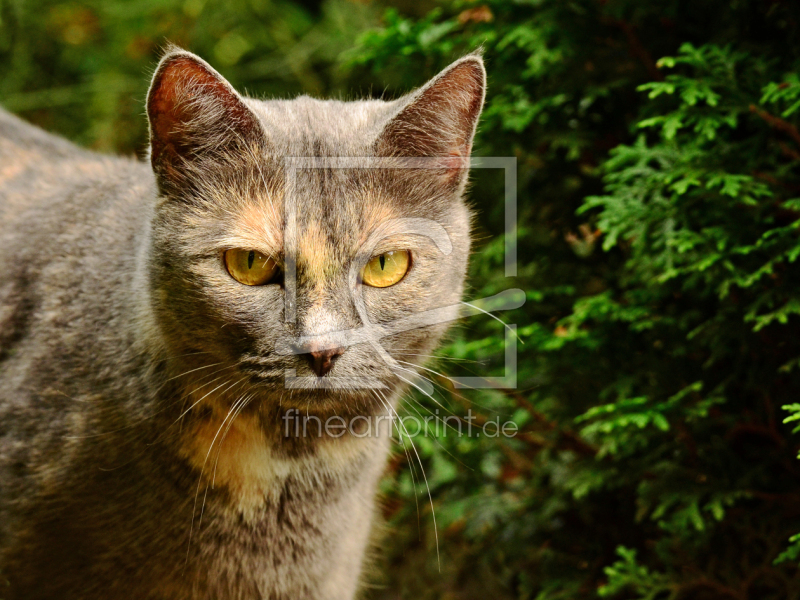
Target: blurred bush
[(81, 68)]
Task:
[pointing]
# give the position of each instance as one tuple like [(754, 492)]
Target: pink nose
[(322, 362)]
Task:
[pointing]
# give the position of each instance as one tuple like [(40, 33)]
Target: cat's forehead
[(306, 126), (330, 214)]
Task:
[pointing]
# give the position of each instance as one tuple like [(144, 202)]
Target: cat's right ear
[(197, 121), (439, 119)]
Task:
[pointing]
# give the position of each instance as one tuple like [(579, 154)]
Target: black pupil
[(250, 258), (383, 260)]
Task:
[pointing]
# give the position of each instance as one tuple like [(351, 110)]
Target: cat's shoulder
[(30, 157), (50, 185), (19, 137)]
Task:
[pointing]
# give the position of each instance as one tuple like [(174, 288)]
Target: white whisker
[(495, 317), (428, 487), (412, 470), (202, 469)]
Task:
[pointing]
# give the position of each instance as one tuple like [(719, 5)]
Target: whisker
[(188, 410), (151, 415), (245, 400), (430, 497), (405, 362), (445, 423), (200, 477), (193, 370), (435, 356), (412, 470), (453, 393), (416, 386), (495, 317)]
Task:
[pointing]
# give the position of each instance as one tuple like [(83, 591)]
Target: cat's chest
[(270, 517), (236, 458)]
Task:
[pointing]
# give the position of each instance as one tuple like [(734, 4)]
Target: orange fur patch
[(22, 158), (262, 223), (242, 461), (239, 460), (379, 213), (315, 253)]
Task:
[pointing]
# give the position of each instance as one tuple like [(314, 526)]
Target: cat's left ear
[(439, 119), (197, 121)]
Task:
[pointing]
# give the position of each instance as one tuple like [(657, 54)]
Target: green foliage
[(81, 67), (659, 216), (627, 574)]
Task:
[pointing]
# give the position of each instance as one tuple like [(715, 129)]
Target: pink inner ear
[(440, 121), (456, 160), (175, 99)]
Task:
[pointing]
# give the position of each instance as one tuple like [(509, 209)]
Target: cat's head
[(315, 282)]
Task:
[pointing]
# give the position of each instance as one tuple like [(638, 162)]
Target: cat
[(172, 333)]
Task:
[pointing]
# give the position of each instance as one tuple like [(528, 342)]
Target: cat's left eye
[(250, 267), (386, 269)]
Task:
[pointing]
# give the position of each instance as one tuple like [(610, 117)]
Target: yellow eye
[(250, 267), (386, 269)]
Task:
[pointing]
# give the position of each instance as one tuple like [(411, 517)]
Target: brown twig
[(777, 123), (688, 439), (789, 151), (571, 439), (758, 430), (789, 498)]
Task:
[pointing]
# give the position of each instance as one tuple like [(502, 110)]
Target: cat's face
[(314, 283)]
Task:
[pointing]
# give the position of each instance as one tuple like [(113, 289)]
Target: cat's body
[(75, 368), (125, 347)]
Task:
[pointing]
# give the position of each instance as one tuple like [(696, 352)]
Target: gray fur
[(123, 340)]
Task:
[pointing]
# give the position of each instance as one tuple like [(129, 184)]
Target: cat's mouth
[(308, 378), (293, 382), (343, 384)]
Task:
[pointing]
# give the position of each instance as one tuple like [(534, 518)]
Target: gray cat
[(173, 335)]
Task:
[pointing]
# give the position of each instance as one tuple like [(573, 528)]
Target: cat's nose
[(322, 362)]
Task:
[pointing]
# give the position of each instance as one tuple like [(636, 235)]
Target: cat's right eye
[(250, 267), (386, 269)]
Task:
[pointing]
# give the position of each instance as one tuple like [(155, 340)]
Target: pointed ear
[(440, 118), (197, 120)]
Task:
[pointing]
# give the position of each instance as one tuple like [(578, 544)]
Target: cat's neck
[(253, 464)]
